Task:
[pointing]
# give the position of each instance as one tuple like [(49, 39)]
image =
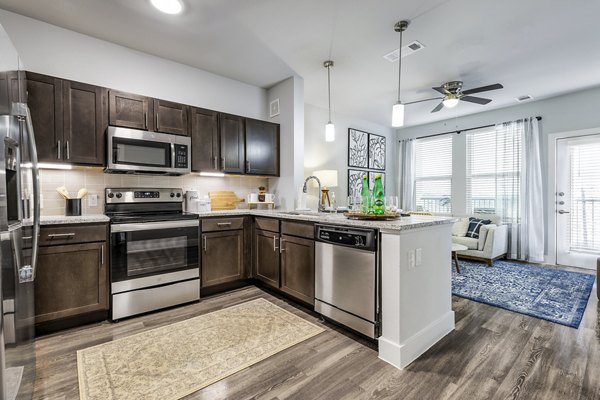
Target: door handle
[(61, 235), (275, 248), (281, 249), (223, 224), (58, 156), (145, 120), (204, 243), (68, 151), (563, 212), (216, 162), (102, 255)]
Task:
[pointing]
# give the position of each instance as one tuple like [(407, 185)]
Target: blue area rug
[(554, 295)]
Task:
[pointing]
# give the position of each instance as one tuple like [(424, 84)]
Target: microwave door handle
[(36, 186)]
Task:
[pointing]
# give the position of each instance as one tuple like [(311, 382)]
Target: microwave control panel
[(181, 156)]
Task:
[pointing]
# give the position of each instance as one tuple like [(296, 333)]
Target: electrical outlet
[(93, 200), (411, 259), (418, 256)]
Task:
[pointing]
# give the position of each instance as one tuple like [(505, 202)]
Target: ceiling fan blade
[(480, 89), (421, 101), (476, 100), (438, 107), (440, 89)]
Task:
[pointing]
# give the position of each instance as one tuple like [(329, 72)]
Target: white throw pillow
[(461, 227), (483, 232)]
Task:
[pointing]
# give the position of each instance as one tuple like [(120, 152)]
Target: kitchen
[(135, 248)]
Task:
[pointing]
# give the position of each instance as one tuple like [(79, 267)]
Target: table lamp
[(329, 179)]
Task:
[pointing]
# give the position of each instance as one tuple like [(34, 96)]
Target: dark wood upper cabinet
[(266, 257), (222, 257), (171, 117), (298, 268), (44, 97), (204, 130), (12, 87), (231, 135), (130, 110), (262, 148), (85, 121)]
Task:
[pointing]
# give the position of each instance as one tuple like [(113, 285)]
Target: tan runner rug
[(173, 361)]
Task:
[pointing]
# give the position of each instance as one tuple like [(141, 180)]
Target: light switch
[(418, 254), (411, 259), (93, 200)]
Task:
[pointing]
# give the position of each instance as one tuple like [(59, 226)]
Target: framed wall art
[(377, 152), (358, 148), (355, 178)]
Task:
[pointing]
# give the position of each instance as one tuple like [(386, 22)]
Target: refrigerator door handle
[(36, 186)]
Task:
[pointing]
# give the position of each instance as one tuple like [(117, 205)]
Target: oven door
[(153, 253)]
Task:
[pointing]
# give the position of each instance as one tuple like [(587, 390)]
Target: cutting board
[(224, 200)]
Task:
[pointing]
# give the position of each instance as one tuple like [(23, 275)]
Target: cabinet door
[(12, 87), (71, 280), (130, 110), (171, 117), (222, 257), (266, 257), (262, 148), (85, 120), (44, 97), (231, 135), (205, 140), (298, 268)]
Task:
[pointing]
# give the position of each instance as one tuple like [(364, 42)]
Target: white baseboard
[(400, 355)]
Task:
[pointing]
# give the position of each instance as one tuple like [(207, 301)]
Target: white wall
[(51, 50), (290, 93), (320, 154), (569, 112)]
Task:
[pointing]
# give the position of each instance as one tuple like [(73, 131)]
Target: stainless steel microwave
[(133, 151)]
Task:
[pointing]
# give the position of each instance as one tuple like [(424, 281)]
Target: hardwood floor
[(492, 354)]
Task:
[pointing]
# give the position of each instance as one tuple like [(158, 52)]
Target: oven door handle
[(148, 226)]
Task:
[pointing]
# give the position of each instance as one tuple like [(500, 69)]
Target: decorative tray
[(373, 217)]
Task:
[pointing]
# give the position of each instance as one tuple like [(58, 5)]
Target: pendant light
[(329, 128), (398, 109)]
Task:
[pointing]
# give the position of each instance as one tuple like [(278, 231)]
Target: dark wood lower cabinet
[(222, 257), (71, 280), (298, 268), (266, 257)]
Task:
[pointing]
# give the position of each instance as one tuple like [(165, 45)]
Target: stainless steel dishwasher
[(347, 277)]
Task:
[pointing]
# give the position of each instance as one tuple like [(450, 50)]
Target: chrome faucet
[(304, 188)]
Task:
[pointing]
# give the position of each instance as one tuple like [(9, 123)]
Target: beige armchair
[(491, 245)]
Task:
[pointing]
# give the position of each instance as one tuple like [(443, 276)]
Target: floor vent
[(407, 50)]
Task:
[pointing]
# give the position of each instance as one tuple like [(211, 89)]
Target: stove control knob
[(178, 194), (111, 195), (119, 195), (172, 194)]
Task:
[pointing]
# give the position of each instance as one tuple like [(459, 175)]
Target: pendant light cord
[(399, 65), (329, 90)]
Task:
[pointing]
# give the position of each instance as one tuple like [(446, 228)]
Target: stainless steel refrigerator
[(19, 229)]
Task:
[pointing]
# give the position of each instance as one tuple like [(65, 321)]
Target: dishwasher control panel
[(351, 237)]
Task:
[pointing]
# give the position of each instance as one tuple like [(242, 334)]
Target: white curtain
[(531, 230), (406, 174), (519, 191)]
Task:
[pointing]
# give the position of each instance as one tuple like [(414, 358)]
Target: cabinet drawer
[(59, 235), (222, 224), (267, 224), (300, 229)]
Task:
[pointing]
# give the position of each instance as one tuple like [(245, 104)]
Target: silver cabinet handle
[(156, 127), (68, 151), (248, 165), (59, 156), (222, 163), (204, 243), (27, 237), (145, 120), (281, 249), (61, 235), (275, 248), (563, 212), (223, 223), (102, 255), (216, 162)]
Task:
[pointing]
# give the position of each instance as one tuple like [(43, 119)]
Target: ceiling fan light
[(450, 102), (330, 132), (168, 6), (398, 115)]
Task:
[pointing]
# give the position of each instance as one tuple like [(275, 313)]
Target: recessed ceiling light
[(168, 6)]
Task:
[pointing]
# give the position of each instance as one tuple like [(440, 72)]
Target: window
[(493, 172), (433, 174)]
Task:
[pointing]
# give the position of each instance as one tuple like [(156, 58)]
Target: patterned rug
[(554, 295), (173, 361)]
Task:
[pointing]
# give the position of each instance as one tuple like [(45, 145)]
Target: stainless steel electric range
[(153, 250)]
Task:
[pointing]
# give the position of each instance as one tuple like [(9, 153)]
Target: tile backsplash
[(95, 180)]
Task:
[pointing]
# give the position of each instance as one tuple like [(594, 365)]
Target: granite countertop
[(402, 224), (62, 219)]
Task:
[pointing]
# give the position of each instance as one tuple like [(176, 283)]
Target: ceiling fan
[(453, 93)]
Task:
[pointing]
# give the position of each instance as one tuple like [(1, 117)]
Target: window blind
[(433, 174), (493, 172), (584, 226)]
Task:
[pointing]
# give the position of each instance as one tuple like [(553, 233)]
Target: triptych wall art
[(366, 157)]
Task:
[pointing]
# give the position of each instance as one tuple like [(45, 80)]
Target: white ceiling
[(538, 47)]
